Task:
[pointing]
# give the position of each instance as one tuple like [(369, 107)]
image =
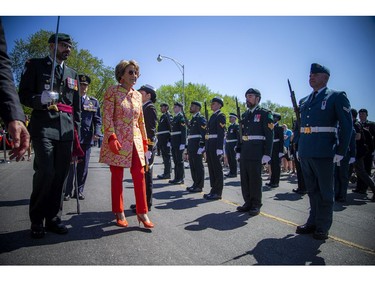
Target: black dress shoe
[(305, 229), (254, 211), (373, 198), (66, 197), (274, 185), (320, 235), (132, 206), (80, 196), (230, 175), (299, 191), (206, 195), (163, 177), (37, 231), (190, 188), (243, 208), (195, 190), (176, 181), (56, 227), (213, 196), (268, 184), (359, 191)]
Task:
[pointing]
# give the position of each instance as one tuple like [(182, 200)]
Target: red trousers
[(138, 176)]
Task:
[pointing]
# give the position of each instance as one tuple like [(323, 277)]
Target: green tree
[(287, 113)]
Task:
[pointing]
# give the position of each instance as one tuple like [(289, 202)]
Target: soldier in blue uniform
[(254, 150), (52, 131), (164, 140), (149, 112), (195, 148), (230, 144), (277, 151), (91, 123), (214, 149), (178, 143), (319, 150)]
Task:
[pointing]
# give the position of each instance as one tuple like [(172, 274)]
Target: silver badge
[(324, 103)]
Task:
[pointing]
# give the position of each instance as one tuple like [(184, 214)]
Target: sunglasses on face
[(133, 72)]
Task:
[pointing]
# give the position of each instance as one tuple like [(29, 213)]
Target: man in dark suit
[(253, 150), (55, 117), (196, 143), (178, 143), (214, 149), (277, 151), (230, 144), (91, 123), (164, 140), (10, 107), (149, 112), (319, 150)]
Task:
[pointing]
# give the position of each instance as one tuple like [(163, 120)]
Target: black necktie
[(58, 72), (314, 95)]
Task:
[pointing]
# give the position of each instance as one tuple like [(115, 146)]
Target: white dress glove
[(297, 156), (281, 154), (351, 160), (148, 154), (238, 155), (337, 158), (168, 144), (265, 159), (182, 146), (49, 97), (200, 150), (219, 152)]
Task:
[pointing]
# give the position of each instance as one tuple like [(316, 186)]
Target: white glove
[(238, 156), (337, 158), (281, 154), (351, 160), (182, 146), (219, 152), (168, 144), (265, 159), (148, 154), (49, 97), (200, 150)]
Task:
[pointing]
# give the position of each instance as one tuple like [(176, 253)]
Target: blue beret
[(317, 68), (60, 37), (218, 100)]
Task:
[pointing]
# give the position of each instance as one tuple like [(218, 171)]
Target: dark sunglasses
[(132, 72)]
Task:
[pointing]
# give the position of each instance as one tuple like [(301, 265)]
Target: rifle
[(295, 106), (205, 111), (239, 120)]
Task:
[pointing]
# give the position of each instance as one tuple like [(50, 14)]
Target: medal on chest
[(257, 118)]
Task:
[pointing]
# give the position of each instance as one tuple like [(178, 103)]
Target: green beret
[(84, 79), (277, 115), (61, 37), (253, 91), (196, 103), (218, 100), (317, 68)]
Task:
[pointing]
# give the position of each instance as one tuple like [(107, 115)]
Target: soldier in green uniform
[(164, 140), (254, 149), (230, 144), (178, 143), (277, 151), (52, 132), (195, 148), (214, 149)]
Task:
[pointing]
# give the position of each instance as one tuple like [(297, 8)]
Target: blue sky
[(229, 54)]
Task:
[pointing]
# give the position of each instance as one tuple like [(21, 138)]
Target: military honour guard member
[(214, 149), (277, 151), (51, 130), (195, 148), (254, 150), (230, 145), (91, 124), (178, 143), (319, 150), (149, 112), (164, 140)]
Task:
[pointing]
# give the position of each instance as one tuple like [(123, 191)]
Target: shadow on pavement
[(289, 250), (14, 203), (289, 196)]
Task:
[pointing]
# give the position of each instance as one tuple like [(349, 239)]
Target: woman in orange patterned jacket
[(125, 140)]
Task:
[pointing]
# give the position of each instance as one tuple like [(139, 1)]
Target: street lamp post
[(181, 67)]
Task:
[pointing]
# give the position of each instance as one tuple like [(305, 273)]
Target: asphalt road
[(189, 229)]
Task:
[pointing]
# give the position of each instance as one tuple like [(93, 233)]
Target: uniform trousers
[(300, 180), (251, 182), (215, 170), (318, 176), (362, 185), (166, 155), (51, 166), (342, 178), (275, 168), (179, 169), (231, 156), (196, 169), (138, 176), (148, 177), (362, 174)]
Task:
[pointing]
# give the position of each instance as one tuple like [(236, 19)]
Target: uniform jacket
[(165, 124), (326, 110), (47, 123), (10, 106), (149, 112), (197, 127), (123, 115), (178, 125), (216, 126), (257, 123), (278, 144), (91, 120), (233, 133)]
